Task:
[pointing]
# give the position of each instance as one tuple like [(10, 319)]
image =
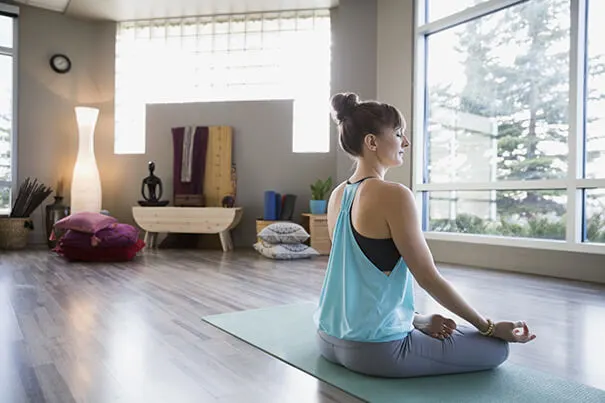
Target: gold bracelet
[(490, 329)]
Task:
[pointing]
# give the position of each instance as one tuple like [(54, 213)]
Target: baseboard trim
[(556, 264)]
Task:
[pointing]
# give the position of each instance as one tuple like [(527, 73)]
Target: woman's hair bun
[(343, 105)]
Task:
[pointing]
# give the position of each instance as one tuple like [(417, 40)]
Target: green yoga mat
[(288, 333)]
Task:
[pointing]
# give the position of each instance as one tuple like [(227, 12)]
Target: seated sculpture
[(152, 182)]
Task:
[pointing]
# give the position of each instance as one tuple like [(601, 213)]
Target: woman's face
[(391, 145)]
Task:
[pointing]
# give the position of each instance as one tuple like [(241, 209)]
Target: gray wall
[(353, 61), (47, 134), (395, 29), (262, 152), (395, 77)]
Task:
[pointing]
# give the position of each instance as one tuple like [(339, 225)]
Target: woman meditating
[(366, 319)]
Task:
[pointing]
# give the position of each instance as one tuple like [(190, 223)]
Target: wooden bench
[(188, 220)]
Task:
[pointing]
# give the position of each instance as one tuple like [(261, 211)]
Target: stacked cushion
[(284, 240), (97, 237), (86, 222)]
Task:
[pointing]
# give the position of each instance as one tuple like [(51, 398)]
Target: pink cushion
[(87, 222), (117, 235)]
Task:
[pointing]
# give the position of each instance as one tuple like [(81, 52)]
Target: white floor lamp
[(86, 182)]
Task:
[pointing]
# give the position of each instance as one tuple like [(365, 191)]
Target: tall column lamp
[(86, 182)]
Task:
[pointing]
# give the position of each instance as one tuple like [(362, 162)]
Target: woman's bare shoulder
[(382, 188), (334, 202), (336, 194), (387, 199), (374, 190)]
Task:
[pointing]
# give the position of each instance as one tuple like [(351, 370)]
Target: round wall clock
[(60, 63)]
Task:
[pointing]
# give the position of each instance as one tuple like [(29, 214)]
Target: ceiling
[(124, 10)]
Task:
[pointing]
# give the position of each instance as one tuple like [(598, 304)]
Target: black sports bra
[(382, 252)]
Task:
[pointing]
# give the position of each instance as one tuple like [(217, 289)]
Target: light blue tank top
[(358, 301)]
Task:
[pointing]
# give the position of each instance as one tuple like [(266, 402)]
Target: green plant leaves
[(320, 188)]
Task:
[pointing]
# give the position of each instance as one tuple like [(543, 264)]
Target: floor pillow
[(86, 222), (284, 232), (114, 236), (285, 251), (92, 254)]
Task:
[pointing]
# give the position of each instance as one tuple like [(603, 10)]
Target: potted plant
[(318, 203)]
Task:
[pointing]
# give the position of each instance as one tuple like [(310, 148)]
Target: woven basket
[(14, 232)]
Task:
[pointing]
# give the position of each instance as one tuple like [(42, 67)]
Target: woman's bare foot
[(435, 325)]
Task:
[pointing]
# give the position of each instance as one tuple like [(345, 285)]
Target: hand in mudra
[(514, 332)]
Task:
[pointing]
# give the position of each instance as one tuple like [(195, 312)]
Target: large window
[(510, 122), (225, 58), (8, 23)]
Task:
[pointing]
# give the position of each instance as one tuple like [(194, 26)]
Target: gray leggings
[(417, 354)]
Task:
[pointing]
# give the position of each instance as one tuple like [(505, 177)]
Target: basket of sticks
[(15, 229)]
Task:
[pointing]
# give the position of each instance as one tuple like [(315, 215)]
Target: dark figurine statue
[(151, 183), (228, 201)]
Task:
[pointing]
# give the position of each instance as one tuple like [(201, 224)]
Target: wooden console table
[(188, 220)]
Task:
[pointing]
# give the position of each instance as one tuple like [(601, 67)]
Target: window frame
[(574, 183), (13, 12)]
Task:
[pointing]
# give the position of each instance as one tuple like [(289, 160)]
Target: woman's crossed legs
[(418, 354)]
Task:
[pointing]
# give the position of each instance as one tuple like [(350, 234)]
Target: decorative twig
[(30, 197)]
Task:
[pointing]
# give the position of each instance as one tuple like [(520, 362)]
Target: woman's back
[(369, 210), (359, 301), (369, 214)]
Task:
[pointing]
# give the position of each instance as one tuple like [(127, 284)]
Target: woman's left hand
[(436, 325)]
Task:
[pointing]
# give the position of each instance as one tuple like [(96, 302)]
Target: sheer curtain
[(225, 58)]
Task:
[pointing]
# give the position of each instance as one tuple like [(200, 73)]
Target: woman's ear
[(370, 141)]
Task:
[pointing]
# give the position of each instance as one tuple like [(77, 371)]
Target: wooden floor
[(132, 332)]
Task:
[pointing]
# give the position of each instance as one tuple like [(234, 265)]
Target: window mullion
[(576, 134), (419, 134), (542, 184), (465, 15)]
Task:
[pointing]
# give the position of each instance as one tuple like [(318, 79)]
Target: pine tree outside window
[(510, 137)]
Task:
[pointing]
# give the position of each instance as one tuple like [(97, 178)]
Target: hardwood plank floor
[(132, 332)]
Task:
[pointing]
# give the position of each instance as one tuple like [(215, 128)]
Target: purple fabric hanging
[(198, 161)]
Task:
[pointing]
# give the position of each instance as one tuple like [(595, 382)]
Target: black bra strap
[(361, 180)]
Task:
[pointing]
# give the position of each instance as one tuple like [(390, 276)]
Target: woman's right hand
[(514, 332)]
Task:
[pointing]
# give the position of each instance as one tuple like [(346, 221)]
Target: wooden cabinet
[(317, 226)]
